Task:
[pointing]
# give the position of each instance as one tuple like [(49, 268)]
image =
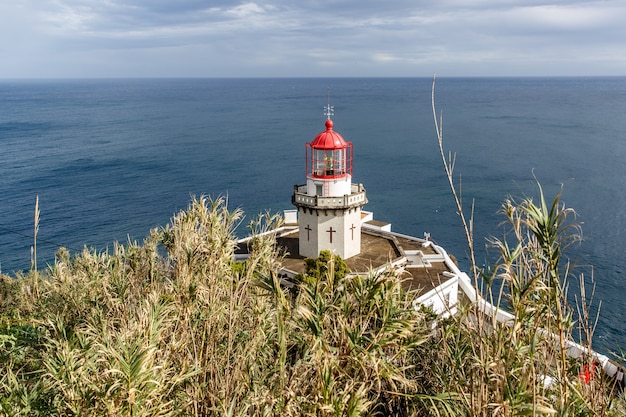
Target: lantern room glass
[(329, 162)]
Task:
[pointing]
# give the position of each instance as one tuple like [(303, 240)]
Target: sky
[(311, 38)]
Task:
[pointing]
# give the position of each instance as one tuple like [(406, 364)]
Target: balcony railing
[(356, 198)]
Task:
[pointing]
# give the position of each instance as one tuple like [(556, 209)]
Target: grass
[(174, 326), (522, 367)]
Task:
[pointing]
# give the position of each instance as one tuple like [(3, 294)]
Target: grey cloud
[(328, 37)]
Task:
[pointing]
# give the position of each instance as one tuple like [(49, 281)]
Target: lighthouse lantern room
[(329, 205), (330, 167)]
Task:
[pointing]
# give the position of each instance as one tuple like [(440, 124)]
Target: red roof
[(329, 139)]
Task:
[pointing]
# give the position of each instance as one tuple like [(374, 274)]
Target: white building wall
[(315, 236), (333, 187)]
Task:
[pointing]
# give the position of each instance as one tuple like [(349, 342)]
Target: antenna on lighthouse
[(328, 109)]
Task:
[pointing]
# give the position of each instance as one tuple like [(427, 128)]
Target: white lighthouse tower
[(329, 205)]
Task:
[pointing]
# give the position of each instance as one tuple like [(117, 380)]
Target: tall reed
[(175, 326), (521, 367)]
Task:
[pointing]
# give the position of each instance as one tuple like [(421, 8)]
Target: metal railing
[(355, 198)]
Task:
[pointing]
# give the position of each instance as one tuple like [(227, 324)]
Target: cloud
[(307, 37), (246, 10)]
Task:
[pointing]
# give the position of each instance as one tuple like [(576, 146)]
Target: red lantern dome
[(331, 155)]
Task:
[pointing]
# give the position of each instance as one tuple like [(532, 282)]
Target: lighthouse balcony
[(356, 198)]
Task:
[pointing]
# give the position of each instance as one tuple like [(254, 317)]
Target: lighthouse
[(329, 204)]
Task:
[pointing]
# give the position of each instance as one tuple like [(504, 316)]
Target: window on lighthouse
[(340, 162), (329, 163), (318, 162)]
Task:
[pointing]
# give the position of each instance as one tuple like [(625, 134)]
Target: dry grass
[(522, 367), (173, 326)]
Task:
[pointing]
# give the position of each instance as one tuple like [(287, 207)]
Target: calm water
[(111, 159)]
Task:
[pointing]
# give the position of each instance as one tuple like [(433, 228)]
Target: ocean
[(111, 159)]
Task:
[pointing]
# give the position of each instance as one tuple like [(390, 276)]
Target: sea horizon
[(383, 77)]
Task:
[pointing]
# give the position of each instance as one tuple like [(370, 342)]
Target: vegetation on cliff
[(174, 326)]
